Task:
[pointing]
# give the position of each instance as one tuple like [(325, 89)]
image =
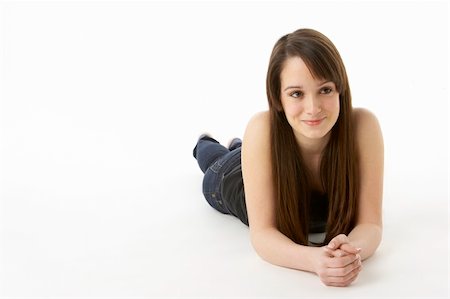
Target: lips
[(313, 122)]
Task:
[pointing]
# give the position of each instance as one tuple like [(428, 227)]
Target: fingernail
[(358, 249), (331, 245)]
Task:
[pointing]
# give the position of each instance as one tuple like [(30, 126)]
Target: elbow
[(378, 234), (259, 244)]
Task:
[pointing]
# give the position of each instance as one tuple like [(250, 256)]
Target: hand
[(341, 245), (338, 263)]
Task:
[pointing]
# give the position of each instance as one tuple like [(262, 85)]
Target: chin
[(315, 136)]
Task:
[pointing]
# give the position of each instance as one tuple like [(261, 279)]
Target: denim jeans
[(215, 161)]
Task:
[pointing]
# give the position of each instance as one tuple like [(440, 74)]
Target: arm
[(366, 236), (368, 230)]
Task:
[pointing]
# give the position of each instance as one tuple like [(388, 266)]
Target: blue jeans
[(215, 161)]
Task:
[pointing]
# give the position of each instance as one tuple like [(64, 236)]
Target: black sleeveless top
[(232, 189)]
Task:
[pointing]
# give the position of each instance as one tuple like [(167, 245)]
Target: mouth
[(313, 122)]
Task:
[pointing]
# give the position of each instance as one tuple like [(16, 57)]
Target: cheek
[(334, 110), (291, 108), (333, 106)]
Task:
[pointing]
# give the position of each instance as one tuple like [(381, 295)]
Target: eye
[(296, 94), (326, 90)]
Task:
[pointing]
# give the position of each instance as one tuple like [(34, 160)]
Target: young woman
[(310, 164)]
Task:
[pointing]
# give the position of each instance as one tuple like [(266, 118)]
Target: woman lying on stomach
[(310, 164)]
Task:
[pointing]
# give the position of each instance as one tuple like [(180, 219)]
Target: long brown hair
[(339, 164)]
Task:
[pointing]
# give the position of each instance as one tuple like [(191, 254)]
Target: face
[(311, 105)]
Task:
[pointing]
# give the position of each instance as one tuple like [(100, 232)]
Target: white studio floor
[(101, 104), (145, 235)]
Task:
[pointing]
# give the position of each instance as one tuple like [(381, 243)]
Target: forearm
[(367, 237), (275, 248)]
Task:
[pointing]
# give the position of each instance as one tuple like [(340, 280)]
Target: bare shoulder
[(260, 120), (257, 135), (367, 128), (364, 117)]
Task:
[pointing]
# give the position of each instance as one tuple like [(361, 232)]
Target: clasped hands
[(338, 263)]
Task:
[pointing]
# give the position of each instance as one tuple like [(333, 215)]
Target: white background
[(101, 104)]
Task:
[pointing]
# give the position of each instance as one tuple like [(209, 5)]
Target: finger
[(337, 241), (344, 271), (350, 248), (352, 276), (340, 262), (342, 281), (335, 252), (349, 282)]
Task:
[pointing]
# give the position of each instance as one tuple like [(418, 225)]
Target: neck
[(312, 147)]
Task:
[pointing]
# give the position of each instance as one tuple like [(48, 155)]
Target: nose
[(312, 105)]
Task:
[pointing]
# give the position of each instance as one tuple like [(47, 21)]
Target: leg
[(214, 179), (234, 144), (207, 151)]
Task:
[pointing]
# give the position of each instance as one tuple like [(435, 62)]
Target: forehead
[(295, 71)]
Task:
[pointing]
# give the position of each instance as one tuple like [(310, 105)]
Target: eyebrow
[(300, 87)]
